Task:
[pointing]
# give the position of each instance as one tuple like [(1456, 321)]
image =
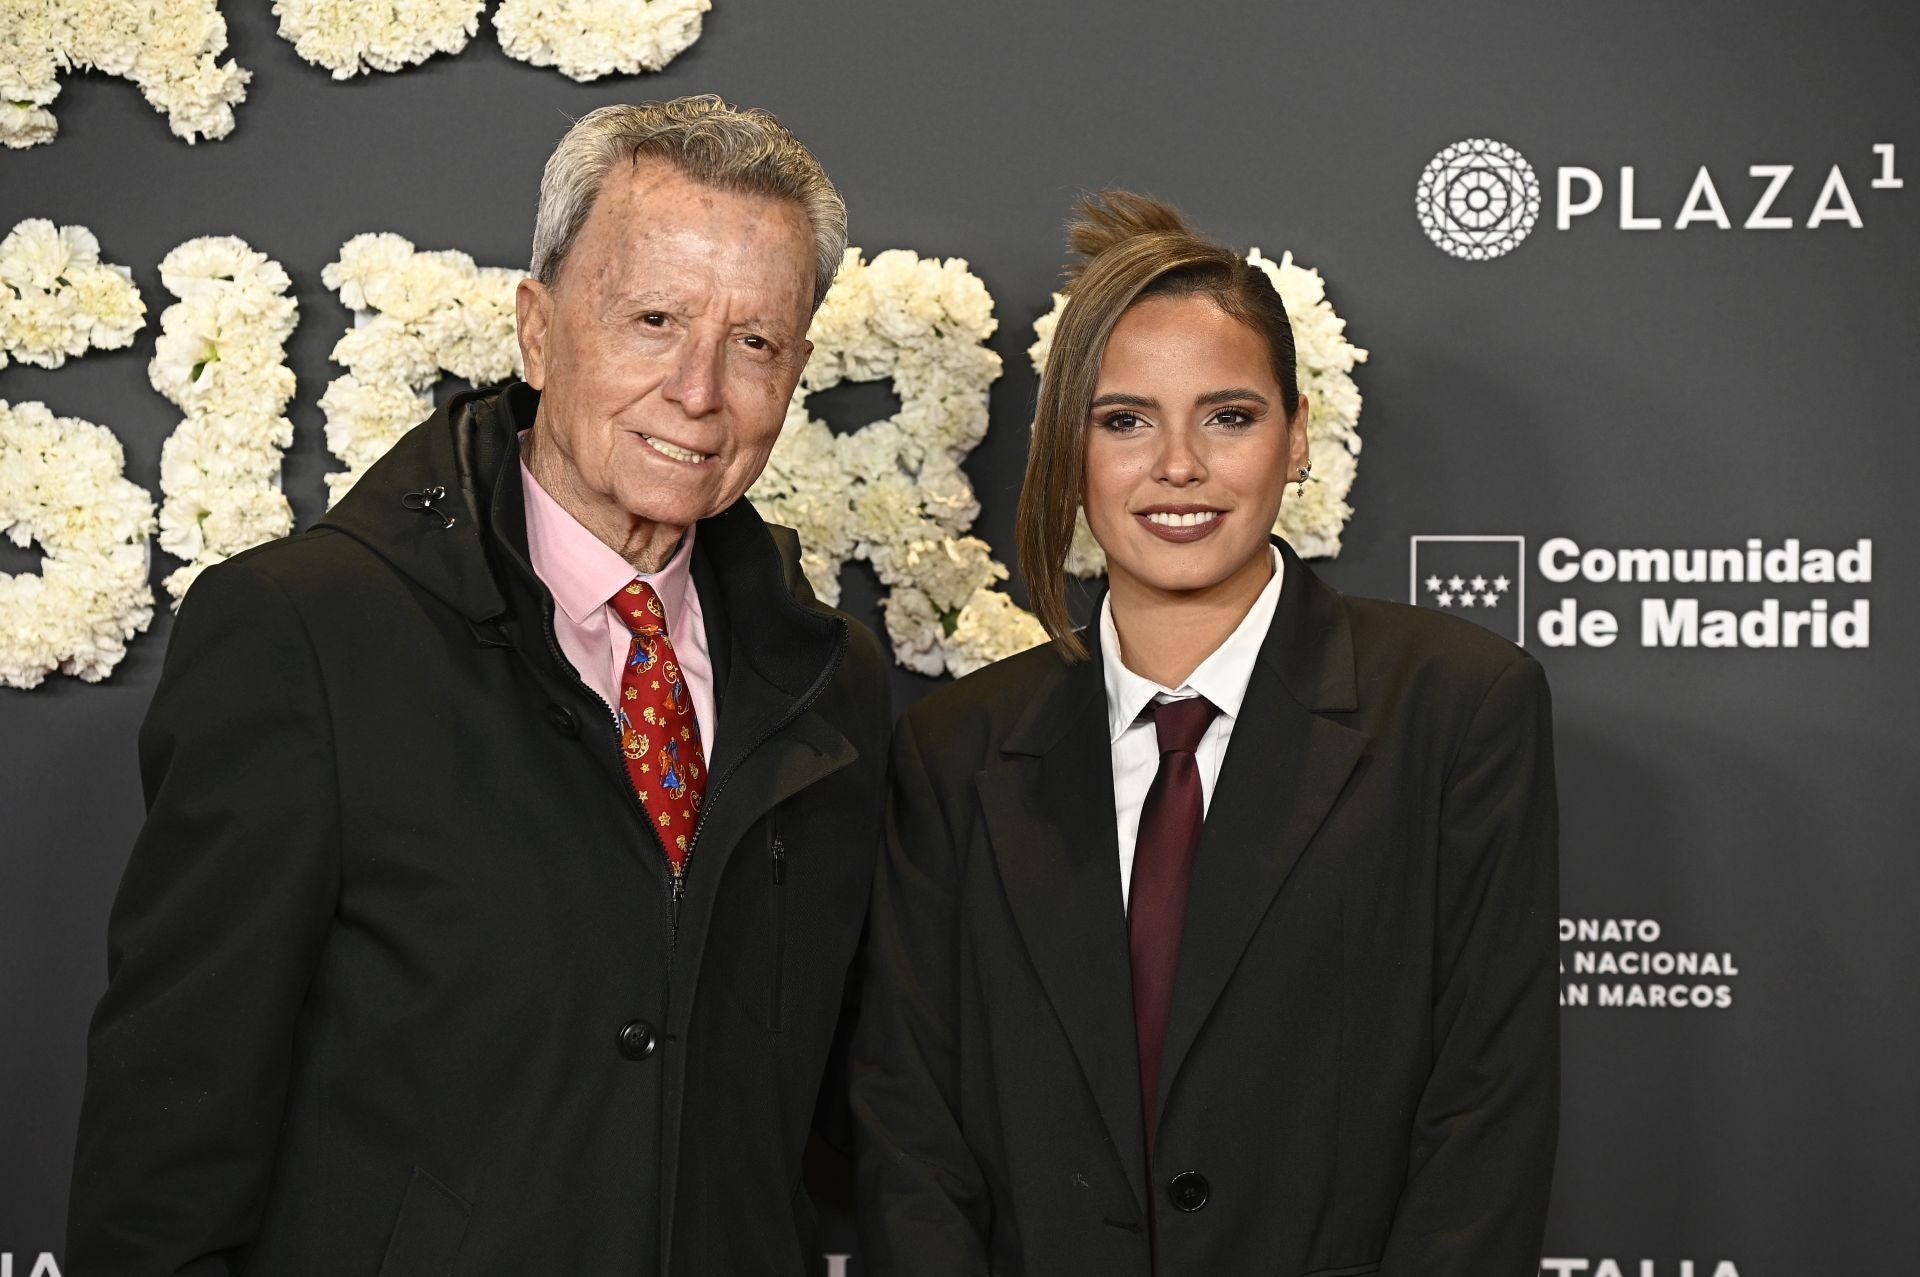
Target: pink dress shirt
[(583, 572)]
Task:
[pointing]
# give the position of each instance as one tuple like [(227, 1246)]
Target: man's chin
[(674, 507)]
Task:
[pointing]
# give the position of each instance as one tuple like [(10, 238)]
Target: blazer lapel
[(1285, 767), (1049, 815)]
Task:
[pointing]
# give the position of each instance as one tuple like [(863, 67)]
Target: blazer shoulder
[(974, 713), (1396, 641)]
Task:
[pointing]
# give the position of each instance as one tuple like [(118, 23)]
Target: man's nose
[(697, 378)]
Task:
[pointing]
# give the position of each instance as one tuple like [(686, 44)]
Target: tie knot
[(1181, 724), (639, 608)]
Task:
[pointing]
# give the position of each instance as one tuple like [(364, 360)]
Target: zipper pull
[(779, 863)]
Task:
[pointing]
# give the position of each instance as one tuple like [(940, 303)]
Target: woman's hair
[(1133, 247)]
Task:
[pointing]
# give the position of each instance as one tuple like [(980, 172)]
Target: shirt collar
[(583, 571), (1221, 678)]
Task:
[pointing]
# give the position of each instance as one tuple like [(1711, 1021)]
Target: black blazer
[(1361, 1067)]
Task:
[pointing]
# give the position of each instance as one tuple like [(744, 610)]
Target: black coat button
[(1188, 1190), (563, 720), (636, 1039)]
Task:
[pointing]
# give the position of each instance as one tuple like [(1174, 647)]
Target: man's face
[(667, 348)]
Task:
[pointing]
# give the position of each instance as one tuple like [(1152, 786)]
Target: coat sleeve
[(924, 1207), (1475, 1200), (212, 941)]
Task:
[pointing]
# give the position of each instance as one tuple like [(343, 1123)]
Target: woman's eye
[(1233, 417), (1120, 422)]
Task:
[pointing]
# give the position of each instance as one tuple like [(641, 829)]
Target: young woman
[(1215, 938)]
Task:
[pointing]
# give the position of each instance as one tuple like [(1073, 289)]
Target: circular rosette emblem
[(1478, 199)]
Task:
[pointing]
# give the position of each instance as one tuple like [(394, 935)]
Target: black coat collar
[(477, 563), (1050, 817)]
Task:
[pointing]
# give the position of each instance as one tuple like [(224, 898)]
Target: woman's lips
[(1185, 526)]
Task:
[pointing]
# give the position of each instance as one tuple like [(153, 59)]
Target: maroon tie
[(1162, 865)]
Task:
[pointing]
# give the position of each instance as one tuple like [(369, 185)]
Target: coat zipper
[(777, 861), (678, 874)]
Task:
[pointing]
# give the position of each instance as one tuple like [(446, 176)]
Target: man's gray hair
[(728, 148)]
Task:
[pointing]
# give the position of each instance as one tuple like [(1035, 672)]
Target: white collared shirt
[(1221, 678)]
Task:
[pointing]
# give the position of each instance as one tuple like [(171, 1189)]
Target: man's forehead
[(682, 242)]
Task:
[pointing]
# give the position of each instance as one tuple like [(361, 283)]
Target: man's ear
[(533, 313)]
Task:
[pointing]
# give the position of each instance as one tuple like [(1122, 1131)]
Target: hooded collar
[(436, 508)]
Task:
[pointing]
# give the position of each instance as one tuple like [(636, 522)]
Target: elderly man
[(509, 832)]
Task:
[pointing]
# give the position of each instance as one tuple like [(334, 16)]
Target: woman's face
[(1188, 447)]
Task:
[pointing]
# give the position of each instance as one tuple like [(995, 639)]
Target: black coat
[(1362, 1054), (396, 983)]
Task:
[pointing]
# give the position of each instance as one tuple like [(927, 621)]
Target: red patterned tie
[(1170, 823), (659, 732)]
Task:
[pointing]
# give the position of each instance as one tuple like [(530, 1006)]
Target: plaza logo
[(1478, 198), (1484, 578)]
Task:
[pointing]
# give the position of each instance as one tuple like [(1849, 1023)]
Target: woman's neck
[(1166, 634)]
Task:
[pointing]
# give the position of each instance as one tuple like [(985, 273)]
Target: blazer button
[(636, 1040), (1188, 1191), (563, 720)]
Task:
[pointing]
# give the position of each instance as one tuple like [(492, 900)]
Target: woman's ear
[(1299, 456)]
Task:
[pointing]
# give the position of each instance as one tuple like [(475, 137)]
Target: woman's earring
[(1301, 490)]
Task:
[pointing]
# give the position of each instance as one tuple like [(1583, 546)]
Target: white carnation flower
[(62, 483), (348, 37), (364, 259), (587, 39), (387, 350), (59, 299), (991, 627), (892, 492), (169, 48), (420, 314), (221, 358), (915, 631)]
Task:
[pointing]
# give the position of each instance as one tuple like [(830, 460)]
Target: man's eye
[(757, 342), (654, 319)]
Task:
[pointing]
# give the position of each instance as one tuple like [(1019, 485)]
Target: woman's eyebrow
[(1213, 397)]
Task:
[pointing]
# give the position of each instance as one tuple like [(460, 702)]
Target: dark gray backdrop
[(1623, 388)]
